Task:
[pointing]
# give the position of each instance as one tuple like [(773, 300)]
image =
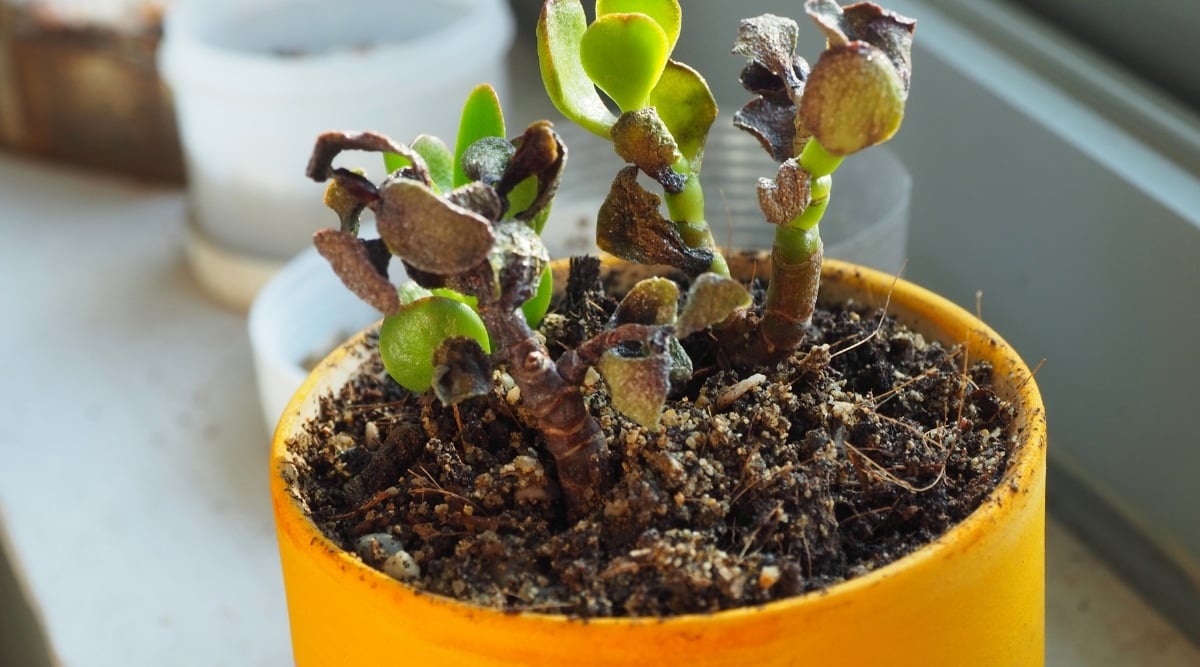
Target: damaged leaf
[(462, 370), (357, 266), (887, 31), (541, 155), (409, 336), (686, 106), (638, 385), (429, 232), (711, 300), (630, 226), (641, 138), (785, 198), (774, 125), (853, 99), (770, 41), (651, 301), (485, 160)]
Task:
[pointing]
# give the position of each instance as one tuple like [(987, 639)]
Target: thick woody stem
[(556, 408)]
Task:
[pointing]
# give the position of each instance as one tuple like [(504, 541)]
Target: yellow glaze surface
[(974, 597)]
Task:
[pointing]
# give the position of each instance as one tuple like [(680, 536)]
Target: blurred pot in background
[(254, 81)]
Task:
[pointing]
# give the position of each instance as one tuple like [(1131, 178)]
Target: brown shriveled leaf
[(711, 300), (461, 370), (330, 144), (429, 232), (641, 138), (477, 197), (539, 152), (853, 99), (352, 260), (651, 301), (771, 41), (630, 226), (774, 125), (638, 385), (785, 197), (868, 22)]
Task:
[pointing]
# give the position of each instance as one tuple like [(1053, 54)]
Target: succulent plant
[(466, 223)]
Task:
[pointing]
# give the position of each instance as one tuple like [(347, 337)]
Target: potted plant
[(691, 458)]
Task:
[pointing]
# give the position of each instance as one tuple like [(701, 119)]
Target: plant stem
[(555, 407), (796, 263), (686, 209)]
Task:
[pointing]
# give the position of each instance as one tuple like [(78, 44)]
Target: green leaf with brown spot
[(853, 99), (686, 106), (711, 300), (638, 385), (651, 301), (481, 117)]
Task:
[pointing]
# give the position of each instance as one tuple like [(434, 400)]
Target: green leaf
[(711, 299), (638, 385), (560, 30), (481, 117), (408, 339), (686, 106), (439, 159), (624, 55), (666, 13)]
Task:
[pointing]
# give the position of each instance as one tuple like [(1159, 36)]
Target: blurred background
[(1054, 154)]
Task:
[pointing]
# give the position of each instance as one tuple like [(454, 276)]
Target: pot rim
[(1025, 465)]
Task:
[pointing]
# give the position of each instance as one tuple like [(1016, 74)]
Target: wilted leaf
[(771, 41), (477, 197), (638, 385), (685, 104), (853, 99), (785, 197), (330, 144), (641, 138), (711, 300), (345, 203), (630, 226), (481, 117), (429, 232), (774, 125), (352, 261), (666, 13), (560, 30), (540, 153), (651, 301), (461, 370), (868, 22), (624, 54), (518, 259)]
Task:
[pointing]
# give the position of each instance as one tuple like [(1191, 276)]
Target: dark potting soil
[(864, 445)]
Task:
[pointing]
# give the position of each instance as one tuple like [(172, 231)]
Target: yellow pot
[(973, 597)]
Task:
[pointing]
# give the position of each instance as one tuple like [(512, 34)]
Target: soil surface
[(762, 484)]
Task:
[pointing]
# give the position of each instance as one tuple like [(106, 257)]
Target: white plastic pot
[(255, 81)]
